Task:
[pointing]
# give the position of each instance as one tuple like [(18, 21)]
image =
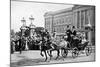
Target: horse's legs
[(41, 53), (58, 52), (20, 50), (50, 54), (45, 55)]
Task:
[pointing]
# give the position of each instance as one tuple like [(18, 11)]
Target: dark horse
[(47, 47)]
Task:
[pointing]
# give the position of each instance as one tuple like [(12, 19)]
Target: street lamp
[(23, 27), (23, 21), (31, 18), (32, 26)]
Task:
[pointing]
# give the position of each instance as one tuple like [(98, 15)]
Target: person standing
[(20, 45)]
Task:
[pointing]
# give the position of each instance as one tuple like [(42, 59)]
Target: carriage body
[(75, 47)]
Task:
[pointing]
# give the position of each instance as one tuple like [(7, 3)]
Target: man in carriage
[(83, 38), (68, 33), (72, 37)]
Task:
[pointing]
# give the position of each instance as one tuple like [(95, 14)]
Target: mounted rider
[(45, 36)]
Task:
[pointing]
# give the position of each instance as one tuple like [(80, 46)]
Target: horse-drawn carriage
[(75, 46)]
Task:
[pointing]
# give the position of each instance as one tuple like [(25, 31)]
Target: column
[(84, 19), (80, 20), (89, 22)]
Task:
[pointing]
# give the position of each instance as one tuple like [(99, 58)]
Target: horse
[(47, 47), (60, 45)]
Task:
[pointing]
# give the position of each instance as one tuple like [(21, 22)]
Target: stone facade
[(79, 16)]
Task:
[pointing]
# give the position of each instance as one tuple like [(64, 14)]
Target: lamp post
[(31, 26), (31, 18), (23, 21), (23, 26), (23, 29)]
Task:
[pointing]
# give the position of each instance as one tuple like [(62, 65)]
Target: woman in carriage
[(83, 38)]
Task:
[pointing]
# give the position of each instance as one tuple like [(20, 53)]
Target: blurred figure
[(12, 46), (68, 33), (74, 31)]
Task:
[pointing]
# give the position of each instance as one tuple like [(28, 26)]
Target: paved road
[(28, 58)]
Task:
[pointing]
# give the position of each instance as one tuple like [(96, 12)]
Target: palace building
[(78, 16)]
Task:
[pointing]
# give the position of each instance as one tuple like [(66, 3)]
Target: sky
[(20, 9)]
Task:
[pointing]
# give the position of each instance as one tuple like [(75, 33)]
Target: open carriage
[(75, 47)]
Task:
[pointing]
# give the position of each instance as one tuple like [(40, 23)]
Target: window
[(62, 20)]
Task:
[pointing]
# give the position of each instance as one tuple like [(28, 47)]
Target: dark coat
[(20, 43), (74, 32), (68, 33)]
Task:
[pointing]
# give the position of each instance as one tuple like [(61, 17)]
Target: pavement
[(33, 57)]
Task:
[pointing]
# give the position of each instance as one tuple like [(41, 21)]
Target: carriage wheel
[(88, 50), (75, 52), (64, 53)]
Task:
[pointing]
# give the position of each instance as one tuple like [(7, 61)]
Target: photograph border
[(62, 4)]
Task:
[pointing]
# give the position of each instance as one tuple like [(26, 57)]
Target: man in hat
[(68, 33)]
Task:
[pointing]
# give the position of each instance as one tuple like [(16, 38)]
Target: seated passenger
[(83, 40)]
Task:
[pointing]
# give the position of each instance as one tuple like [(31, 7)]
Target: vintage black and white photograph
[(51, 33)]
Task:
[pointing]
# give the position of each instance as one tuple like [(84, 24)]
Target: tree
[(18, 33), (38, 29), (27, 32)]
